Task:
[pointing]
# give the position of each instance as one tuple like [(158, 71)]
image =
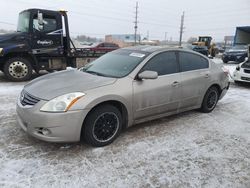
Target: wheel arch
[(118, 104), (25, 55), (218, 88)]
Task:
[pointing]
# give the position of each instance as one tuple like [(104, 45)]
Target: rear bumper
[(224, 91)]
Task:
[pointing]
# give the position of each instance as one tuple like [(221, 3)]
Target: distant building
[(228, 40), (123, 40)]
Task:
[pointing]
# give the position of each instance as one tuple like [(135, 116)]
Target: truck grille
[(247, 71), (27, 99)]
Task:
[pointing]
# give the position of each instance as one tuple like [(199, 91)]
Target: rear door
[(161, 95), (195, 76)]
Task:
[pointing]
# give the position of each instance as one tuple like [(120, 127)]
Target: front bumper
[(241, 76), (62, 127)]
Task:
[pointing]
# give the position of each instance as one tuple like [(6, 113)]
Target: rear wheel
[(210, 100), (102, 125), (18, 69)]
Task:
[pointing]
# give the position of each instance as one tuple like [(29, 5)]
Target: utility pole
[(166, 33), (181, 28), (136, 21), (147, 35)]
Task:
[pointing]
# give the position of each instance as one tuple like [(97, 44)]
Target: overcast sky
[(99, 17)]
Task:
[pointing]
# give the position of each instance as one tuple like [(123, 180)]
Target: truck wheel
[(102, 125), (18, 69)]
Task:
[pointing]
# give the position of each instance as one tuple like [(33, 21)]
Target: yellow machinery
[(206, 41)]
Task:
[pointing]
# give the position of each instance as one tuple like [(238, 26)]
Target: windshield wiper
[(95, 73)]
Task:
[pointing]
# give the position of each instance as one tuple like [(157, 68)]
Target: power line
[(7, 23)]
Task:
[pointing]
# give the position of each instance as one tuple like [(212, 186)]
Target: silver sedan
[(122, 88)]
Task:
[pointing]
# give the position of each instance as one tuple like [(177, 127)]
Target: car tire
[(210, 100), (18, 69), (225, 61), (102, 126)]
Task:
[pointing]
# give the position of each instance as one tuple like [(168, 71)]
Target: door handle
[(207, 75), (175, 84)]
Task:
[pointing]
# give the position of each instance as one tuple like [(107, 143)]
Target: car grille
[(247, 71), (245, 78), (27, 99)]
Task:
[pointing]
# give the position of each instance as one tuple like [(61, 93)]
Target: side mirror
[(40, 18), (40, 21), (148, 75)]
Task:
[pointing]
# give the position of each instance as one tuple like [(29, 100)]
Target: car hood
[(55, 84)]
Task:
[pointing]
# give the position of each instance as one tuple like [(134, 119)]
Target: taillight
[(225, 70)]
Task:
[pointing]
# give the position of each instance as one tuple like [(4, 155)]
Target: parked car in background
[(103, 47), (200, 49), (236, 53), (242, 72), (121, 88)]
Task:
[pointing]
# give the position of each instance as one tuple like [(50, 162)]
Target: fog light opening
[(44, 131)]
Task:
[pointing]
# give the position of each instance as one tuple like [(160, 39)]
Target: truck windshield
[(115, 64), (23, 22)]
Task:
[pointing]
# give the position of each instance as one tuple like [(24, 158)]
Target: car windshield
[(115, 64), (23, 22)]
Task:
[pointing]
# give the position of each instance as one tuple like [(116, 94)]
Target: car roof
[(150, 49)]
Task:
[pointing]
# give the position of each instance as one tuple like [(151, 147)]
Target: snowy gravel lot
[(191, 149)]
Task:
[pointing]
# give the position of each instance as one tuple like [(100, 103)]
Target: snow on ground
[(191, 149)]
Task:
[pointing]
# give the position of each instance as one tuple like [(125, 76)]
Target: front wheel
[(18, 69), (210, 100), (102, 125)]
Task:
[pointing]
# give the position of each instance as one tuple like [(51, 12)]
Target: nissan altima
[(120, 89)]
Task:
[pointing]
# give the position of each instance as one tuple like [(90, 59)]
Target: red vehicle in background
[(102, 47)]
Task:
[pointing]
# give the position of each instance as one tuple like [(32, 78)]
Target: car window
[(163, 63), (189, 61), (50, 24)]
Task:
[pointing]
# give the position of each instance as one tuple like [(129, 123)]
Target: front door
[(161, 95), (47, 38)]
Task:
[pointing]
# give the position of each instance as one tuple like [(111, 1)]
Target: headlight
[(62, 103), (238, 68), (1, 49)]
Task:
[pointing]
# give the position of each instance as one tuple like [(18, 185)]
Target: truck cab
[(38, 44), (41, 42)]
